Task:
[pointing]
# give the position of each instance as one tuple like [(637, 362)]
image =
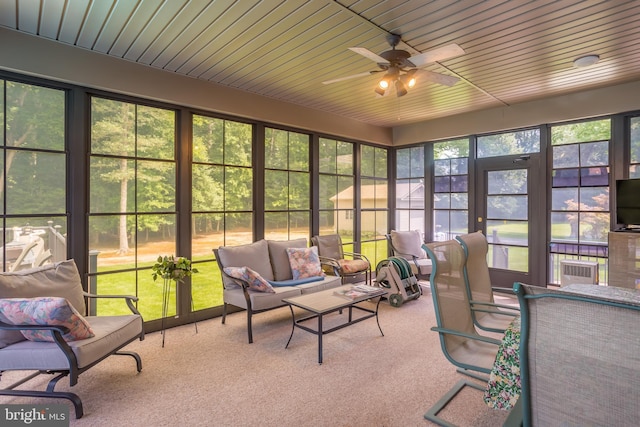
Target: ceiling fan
[(402, 68)]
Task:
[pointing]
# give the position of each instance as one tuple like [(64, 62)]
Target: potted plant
[(170, 268)]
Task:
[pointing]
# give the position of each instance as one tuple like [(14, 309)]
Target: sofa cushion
[(304, 262), (408, 243), (261, 300), (255, 256), (327, 282), (255, 281), (280, 258), (45, 311), (59, 279)]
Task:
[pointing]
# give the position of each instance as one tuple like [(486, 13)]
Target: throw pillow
[(255, 281), (304, 262), (45, 311)]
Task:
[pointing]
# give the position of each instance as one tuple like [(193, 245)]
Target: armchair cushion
[(45, 311), (255, 281), (60, 279), (304, 262), (280, 258), (408, 243), (350, 266)]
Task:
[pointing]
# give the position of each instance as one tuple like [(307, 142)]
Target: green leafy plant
[(170, 268)]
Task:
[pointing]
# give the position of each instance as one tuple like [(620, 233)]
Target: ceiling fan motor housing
[(396, 58)]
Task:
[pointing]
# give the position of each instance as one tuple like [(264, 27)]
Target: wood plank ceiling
[(515, 50)]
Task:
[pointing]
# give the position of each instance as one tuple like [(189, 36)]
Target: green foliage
[(595, 130), (509, 143), (451, 149), (170, 268)]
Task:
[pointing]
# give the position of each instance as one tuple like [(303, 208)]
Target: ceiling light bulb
[(401, 88), (412, 82), (586, 61), (384, 84)]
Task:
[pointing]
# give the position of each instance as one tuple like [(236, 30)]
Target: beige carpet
[(215, 378)]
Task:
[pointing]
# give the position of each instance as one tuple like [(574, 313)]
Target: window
[(451, 189), (410, 191), (33, 181), (221, 199), (580, 218), (634, 158), (503, 144), (287, 188), (336, 189), (132, 201), (373, 202)]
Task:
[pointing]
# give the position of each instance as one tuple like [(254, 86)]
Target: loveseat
[(257, 276), (43, 328)]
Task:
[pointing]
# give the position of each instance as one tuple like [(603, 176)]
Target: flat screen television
[(628, 203)]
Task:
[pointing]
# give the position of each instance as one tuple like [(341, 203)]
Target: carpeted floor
[(215, 378)]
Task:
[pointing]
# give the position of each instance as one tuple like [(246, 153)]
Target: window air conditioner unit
[(575, 271)]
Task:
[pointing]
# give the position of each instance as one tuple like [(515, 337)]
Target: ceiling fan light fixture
[(586, 61), (409, 79), (401, 88), (379, 90)]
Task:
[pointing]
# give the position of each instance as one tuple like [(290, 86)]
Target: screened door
[(509, 195)]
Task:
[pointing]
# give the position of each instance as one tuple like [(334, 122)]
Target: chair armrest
[(515, 311), (503, 290), (8, 326), (130, 299), (240, 282), (409, 257), (357, 256), (56, 331), (462, 334)]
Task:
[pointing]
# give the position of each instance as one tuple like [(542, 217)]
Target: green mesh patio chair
[(486, 313), (579, 355), (473, 354)]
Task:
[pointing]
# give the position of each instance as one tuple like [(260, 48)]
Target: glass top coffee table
[(328, 301)]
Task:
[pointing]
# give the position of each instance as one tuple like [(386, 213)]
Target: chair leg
[(432, 413), (249, 326), (49, 392), (224, 312), (75, 400)]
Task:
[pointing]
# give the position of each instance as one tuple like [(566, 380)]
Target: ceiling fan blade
[(430, 76), (368, 54), (436, 55), (353, 76)]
